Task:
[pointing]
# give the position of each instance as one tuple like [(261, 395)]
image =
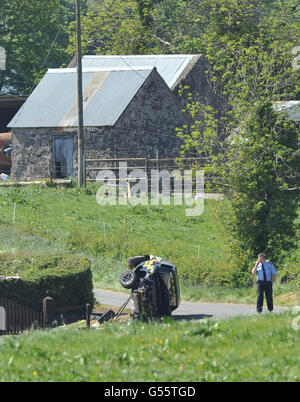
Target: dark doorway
[(9, 106), (63, 157)]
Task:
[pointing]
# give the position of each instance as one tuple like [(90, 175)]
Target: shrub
[(203, 271), (114, 246), (65, 278)]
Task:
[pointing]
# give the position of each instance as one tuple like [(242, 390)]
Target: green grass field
[(53, 220), (254, 348)]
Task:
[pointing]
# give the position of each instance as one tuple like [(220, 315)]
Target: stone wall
[(196, 76), (147, 124), (32, 152)]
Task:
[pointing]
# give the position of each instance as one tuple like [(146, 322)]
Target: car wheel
[(127, 279)]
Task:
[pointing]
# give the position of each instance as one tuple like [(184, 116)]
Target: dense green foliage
[(250, 47), (34, 36), (223, 30), (252, 348), (265, 182), (67, 280), (258, 168)]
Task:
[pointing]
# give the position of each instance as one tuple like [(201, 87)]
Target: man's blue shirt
[(269, 269)]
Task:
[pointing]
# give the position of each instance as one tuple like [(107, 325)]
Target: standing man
[(265, 278)]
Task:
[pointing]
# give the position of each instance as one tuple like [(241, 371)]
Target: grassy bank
[(53, 220), (255, 348)]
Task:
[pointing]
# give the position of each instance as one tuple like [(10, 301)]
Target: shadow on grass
[(191, 316)]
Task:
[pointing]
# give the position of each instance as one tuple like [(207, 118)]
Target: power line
[(179, 21), (126, 17), (46, 58), (131, 67)]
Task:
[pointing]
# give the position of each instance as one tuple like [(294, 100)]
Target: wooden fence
[(16, 317), (128, 170), (96, 165)]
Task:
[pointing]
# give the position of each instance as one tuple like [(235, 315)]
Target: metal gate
[(16, 317)]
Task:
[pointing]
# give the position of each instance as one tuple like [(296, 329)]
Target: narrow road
[(187, 310)]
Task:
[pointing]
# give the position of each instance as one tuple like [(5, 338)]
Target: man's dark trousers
[(267, 288)]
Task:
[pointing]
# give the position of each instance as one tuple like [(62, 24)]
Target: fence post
[(48, 311), (146, 171), (14, 213), (84, 171), (88, 315), (128, 189), (50, 171)]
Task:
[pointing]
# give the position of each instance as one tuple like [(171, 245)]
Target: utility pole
[(81, 167)]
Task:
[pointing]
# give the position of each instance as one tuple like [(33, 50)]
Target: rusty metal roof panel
[(170, 66), (106, 94)]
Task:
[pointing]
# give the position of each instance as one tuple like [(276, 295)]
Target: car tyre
[(127, 279)]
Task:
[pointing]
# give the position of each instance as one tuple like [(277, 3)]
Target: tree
[(178, 26), (33, 35), (249, 44), (264, 177), (112, 27), (142, 27), (258, 163)]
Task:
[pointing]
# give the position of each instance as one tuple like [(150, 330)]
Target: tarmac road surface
[(187, 310)]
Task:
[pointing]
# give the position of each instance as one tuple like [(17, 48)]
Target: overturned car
[(154, 286)]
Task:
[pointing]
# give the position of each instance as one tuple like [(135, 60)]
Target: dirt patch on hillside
[(288, 299), (99, 310)]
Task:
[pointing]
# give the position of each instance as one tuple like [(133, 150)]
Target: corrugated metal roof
[(106, 94), (292, 108), (170, 67)]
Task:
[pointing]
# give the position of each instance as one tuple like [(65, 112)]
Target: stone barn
[(128, 112)]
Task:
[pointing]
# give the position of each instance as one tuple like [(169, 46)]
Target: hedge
[(66, 278)]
